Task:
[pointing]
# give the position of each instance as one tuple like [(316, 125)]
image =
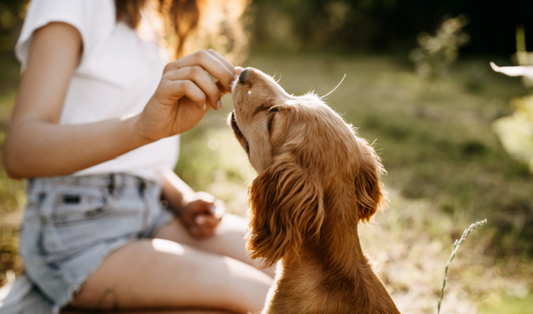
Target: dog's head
[(307, 159)]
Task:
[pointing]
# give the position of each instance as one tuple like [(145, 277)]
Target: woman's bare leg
[(180, 311), (162, 274), (228, 239)]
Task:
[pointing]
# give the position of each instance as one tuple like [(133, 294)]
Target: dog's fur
[(316, 181)]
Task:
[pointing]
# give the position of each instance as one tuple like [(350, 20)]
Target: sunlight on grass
[(12, 197), (509, 305), (7, 101)]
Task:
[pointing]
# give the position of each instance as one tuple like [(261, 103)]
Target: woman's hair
[(216, 24)]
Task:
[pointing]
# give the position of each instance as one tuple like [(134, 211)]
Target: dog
[(316, 181)]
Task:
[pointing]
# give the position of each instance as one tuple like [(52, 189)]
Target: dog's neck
[(343, 273)]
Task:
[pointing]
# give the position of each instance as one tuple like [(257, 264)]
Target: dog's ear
[(286, 206), (368, 187)]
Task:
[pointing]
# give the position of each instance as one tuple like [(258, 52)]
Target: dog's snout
[(242, 77)]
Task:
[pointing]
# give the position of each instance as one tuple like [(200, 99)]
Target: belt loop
[(142, 186), (111, 186), (29, 185)]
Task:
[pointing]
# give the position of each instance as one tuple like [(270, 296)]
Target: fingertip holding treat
[(233, 83), (219, 104), (205, 107)]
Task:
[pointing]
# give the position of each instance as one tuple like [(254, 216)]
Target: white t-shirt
[(117, 75)]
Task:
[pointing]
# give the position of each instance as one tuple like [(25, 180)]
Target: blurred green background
[(419, 84)]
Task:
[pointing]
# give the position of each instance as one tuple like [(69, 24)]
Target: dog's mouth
[(238, 132), (234, 125)]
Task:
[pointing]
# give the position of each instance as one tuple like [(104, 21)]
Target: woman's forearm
[(175, 190), (35, 148)]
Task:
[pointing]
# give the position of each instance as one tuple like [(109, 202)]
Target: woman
[(95, 128)]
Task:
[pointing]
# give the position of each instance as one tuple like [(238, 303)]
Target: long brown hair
[(217, 24)]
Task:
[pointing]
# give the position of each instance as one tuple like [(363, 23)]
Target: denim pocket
[(72, 217), (72, 205)]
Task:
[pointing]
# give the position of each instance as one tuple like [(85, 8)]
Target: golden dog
[(316, 181)]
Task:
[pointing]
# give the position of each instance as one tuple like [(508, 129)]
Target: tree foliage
[(11, 17), (371, 25), (385, 25)]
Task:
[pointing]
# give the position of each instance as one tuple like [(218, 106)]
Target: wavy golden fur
[(316, 181)]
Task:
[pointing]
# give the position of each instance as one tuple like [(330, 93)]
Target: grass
[(508, 305), (11, 192), (454, 253), (444, 170)]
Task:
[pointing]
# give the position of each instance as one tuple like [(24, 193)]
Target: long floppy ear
[(368, 187), (286, 206)]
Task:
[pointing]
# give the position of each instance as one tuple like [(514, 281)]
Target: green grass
[(507, 305), (456, 245), (445, 169), (11, 192)]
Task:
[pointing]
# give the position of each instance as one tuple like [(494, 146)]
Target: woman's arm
[(36, 145), (175, 191)]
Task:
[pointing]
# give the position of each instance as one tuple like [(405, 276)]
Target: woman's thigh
[(228, 239), (162, 274), (180, 311)]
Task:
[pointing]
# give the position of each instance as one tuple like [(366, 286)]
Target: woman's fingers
[(222, 59), (180, 88), (210, 63), (205, 225), (186, 90), (202, 80), (221, 88), (203, 214), (219, 209), (235, 70)]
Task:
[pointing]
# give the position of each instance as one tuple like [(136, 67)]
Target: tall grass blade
[(454, 253)]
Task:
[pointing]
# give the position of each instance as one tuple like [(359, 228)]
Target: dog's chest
[(305, 289)]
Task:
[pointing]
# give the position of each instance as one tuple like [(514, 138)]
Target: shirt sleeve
[(90, 17)]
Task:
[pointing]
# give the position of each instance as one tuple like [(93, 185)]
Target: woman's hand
[(185, 93), (201, 214)]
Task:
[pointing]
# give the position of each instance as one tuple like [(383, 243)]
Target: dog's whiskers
[(334, 88)]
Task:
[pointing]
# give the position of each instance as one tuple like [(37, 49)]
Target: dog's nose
[(242, 77)]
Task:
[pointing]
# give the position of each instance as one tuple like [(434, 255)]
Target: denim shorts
[(72, 223)]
